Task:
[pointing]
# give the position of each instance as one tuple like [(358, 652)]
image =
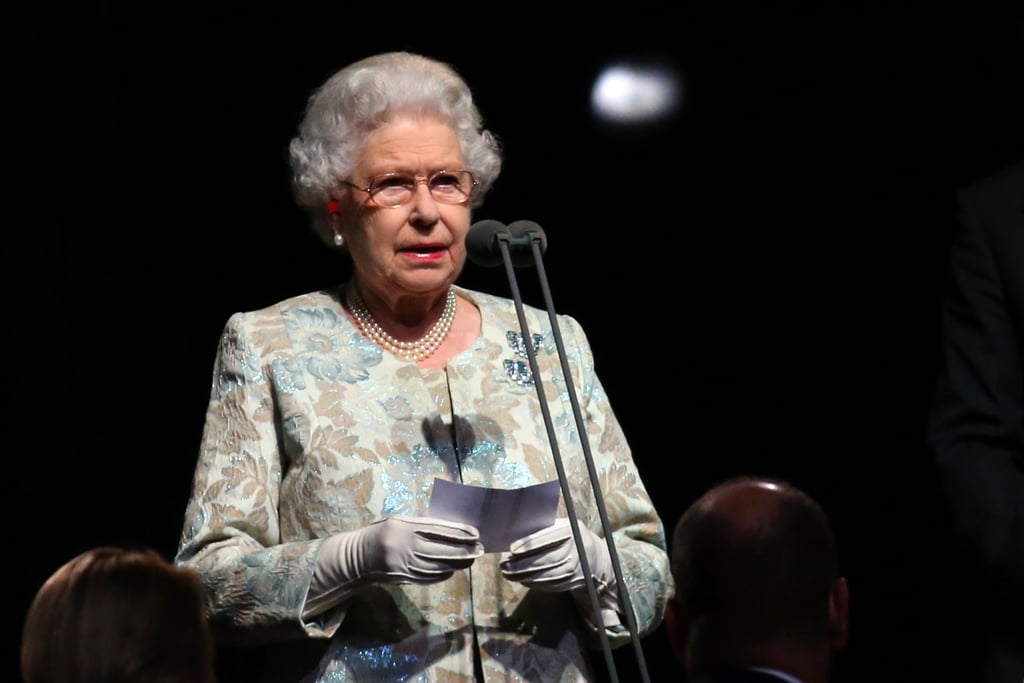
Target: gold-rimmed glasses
[(392, 190)]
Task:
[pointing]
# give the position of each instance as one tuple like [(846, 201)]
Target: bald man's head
[(754, 560)]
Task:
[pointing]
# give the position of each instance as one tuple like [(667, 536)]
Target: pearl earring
[(338, 239)]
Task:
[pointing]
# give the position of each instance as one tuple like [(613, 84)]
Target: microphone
[(523, 233), (484, 240), (490, 243)]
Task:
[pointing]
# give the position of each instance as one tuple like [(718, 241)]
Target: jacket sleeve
[(976, 428), (638, 531), (256, 585)]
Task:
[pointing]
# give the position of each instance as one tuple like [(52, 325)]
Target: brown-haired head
[(118, 615)]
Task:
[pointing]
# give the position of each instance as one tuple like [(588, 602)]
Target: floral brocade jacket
[(313, 430)]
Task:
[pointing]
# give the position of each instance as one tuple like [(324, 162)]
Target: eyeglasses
[(392, 190)]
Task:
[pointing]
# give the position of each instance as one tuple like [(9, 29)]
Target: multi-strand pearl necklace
[(414, 350)]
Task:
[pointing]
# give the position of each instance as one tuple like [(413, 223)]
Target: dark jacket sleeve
[(976, 428)]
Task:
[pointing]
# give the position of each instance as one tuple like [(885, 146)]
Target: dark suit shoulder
[(1002, 190)]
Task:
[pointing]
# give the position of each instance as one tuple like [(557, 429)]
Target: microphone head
[(529, 231), (482, 242)]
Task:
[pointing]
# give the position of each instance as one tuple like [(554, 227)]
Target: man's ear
[(838, 614), (678, 628)]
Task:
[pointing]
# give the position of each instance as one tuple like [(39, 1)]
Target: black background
[(759, 277)]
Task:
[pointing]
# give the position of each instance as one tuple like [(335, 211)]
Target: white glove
[(547, 560), (395, 550)]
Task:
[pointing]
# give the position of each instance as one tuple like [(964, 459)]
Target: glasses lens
[(392, 189), (451, 187)]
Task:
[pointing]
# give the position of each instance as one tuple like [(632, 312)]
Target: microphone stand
[(504, 239)]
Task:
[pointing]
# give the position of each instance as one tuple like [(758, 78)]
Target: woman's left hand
[(548, 560)]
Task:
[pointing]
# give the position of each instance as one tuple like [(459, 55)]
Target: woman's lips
[(425, 252)]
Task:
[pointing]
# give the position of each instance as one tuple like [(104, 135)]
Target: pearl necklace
[(414, 350)]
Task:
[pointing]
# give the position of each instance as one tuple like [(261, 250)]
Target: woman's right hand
[(396, 550), (407, 549)]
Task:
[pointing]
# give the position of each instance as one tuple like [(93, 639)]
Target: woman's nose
[(424, 204)]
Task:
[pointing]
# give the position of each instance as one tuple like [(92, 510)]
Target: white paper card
[(501, 515)]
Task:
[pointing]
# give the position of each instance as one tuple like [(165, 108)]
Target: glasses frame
[(417, 179)]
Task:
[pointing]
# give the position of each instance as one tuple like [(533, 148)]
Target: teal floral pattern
[(313, 430)]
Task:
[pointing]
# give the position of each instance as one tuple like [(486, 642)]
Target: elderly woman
[(333, 412)]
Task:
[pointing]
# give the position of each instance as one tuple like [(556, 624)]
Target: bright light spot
[(631, 94)]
